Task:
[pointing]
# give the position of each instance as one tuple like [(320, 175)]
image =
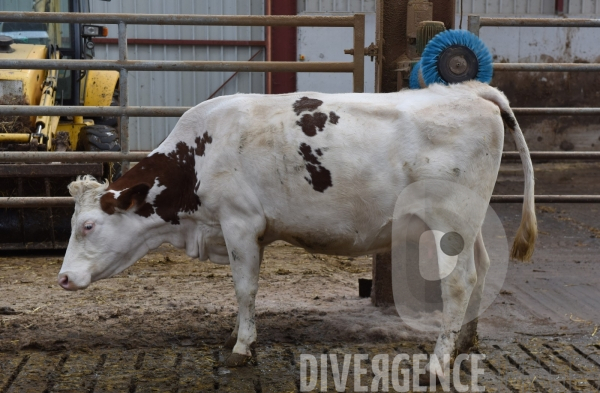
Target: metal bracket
[(372, 51)]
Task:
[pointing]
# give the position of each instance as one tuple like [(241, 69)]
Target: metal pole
[(123, 96), (547, 199), (183, 20), (547, 67), (540, 22), (58, 156), (554, 155), (359, 53), (177, 111), (20, 202), (168, 65), (32, 202), (474, 24), (96, 111)]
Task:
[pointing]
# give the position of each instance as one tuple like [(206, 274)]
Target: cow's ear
[(129, 198)]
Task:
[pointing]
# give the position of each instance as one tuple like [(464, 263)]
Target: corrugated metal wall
[(526, 7), (347, 6), (583, 7), (511, 7), (182, 88), (534, 44)]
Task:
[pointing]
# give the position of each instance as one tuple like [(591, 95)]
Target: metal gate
[(123, 65), (475, 23)]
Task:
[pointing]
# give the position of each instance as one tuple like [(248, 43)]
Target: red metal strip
[(283, 41), (149, 41), (559, 6)]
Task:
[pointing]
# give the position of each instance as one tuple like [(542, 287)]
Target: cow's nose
[(63, 281)]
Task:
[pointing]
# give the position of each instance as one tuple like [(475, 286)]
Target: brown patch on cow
[(128, 198), (175, 171), (201, 143), (320, 177), (510, 121), (306, 104), (310, 123), (333, 118)]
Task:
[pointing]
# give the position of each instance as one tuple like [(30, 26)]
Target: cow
[(319, 171)]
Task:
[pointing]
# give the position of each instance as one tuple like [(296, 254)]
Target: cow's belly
[(352, 217)]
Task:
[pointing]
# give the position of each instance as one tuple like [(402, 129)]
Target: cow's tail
[(524, 243)]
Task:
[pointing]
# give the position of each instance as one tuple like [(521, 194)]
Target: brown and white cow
[(319, 171)]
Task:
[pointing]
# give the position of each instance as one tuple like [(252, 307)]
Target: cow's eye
[(88, 226)]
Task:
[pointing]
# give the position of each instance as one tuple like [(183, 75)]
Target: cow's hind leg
[(456, 292), (467, 338)]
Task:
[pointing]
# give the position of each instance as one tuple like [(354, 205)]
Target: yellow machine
[(47, 228), (47, 88)]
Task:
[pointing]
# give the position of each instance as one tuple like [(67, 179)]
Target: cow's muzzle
[(72, 281)]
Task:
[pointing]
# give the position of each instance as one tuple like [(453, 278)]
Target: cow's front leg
[(456, 292), (244, 256), (232, 339)]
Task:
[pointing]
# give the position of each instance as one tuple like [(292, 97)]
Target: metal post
[(123, 97), (474, 24), (359, 53)]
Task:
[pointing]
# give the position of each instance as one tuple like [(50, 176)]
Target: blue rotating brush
[(453, 56)]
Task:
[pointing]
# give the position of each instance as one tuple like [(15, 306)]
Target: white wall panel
[(182, 88)]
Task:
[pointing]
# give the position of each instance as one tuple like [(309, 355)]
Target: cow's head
[(113, 226), (107, 235)]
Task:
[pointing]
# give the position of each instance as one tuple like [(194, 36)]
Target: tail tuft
[(524, 244)]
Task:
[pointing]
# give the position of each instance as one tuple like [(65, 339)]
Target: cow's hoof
[(425, 380), (230, 343), (237, 360)]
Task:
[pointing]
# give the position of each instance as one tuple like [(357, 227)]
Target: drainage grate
[(534, 365)]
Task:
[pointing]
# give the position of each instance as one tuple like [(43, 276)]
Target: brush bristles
[(413, 81), (439, 43)]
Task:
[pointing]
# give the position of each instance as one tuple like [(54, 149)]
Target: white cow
[(319, 171)]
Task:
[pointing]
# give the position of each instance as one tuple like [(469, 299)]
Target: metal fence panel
[(182, 88)]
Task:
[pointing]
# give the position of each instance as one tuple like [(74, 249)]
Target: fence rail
[(166, 65), (177, 111), (136, 156), (181, 20), (37, 202), (123, 65)]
